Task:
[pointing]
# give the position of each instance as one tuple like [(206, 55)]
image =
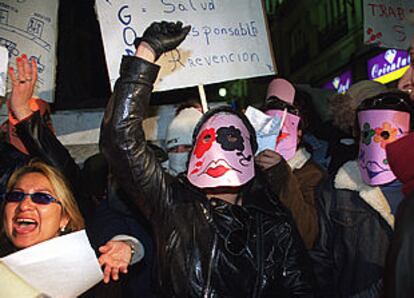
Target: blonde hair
[(60, 187)]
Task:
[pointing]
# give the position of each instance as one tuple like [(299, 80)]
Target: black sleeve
[(42, 143), (322, 252), (123, 142)]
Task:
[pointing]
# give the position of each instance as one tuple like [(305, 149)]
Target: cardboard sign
[(228, 39), (30, 27), (389, 23), (4, 58)]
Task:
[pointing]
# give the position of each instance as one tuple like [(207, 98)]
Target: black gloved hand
[(164, 36)]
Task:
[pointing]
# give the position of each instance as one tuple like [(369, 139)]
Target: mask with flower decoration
[(379, 128), (223, 154)]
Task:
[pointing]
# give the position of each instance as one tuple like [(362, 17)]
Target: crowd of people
[(318, 215)]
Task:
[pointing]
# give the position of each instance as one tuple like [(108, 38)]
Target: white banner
[(4, 59), (30, 27), (389, 23), (228, 39)]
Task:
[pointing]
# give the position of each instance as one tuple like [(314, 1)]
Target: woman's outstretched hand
[(115, 257)]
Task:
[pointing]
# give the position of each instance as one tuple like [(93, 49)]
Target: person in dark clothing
[(399, 274), (298, 176), (356, 205), (113, 207), (219, 224)]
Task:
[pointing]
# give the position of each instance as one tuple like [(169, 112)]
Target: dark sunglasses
[(390, 101), (274, 103), (37, 197)]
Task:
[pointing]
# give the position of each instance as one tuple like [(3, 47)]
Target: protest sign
[(389, 23), (228, 39), (4, 59), (30, 27)]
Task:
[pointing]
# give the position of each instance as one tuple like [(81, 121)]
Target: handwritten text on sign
[(389, 23), (30, 27), (4, 59), (228, 39)]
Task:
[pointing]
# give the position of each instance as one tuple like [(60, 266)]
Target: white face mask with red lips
[(222, 155)]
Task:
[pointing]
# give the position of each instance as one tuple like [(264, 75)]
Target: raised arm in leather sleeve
[(122, 140)]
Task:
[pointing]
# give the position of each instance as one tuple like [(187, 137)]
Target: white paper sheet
[(30, 27), (65, 266), (13, 286), (4, 59), (267, 128)]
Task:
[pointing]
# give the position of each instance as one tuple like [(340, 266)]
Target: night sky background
[(82, 79)]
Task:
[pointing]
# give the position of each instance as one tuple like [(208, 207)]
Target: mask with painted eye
[(382, 119), (379, 128), (222, 154)]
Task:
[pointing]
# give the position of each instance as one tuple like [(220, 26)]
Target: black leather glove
[(164, 36)]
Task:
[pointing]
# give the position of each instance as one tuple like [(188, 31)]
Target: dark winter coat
[(356, 227)]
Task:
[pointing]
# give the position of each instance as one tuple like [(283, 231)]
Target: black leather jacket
[(205, 248)]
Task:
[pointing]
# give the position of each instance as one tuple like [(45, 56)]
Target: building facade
[(318, 40)]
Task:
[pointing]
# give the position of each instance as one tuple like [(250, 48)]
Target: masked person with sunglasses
[(296, 178), (358, 204), (219, 230)]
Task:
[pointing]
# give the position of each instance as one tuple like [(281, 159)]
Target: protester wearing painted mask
[(279, 101), (297, 177), (381, 120), (343, 145), (179, 139), (222, 224), (359, 202)]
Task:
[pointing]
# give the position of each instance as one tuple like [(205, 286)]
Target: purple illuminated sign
[(340, 83), (387, 62)]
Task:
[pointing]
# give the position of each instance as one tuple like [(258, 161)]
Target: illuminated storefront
[(388, 66), (340, 83)]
